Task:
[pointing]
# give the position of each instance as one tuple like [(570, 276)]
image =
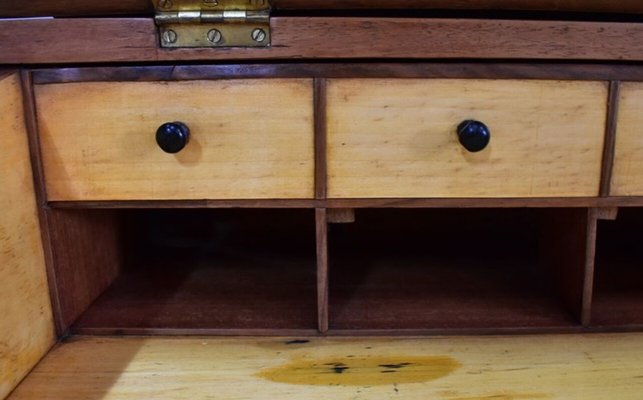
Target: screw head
[(214, 36), (165, 4), (211, 3), (169, 36), (258, 35)]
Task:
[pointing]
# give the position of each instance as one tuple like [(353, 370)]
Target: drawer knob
[(172, 137), (473, 135)]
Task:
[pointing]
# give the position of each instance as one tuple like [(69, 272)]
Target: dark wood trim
[(590, 262), (319, 107), (134, 204), (322, 269), (464, 202), (31, 122), (560, 202), (12, 8), (74, 40), (118, 331), (310, 333), (463, 331), (479, 70), (610, 137)]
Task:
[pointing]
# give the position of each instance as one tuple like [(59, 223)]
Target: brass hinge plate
[(213, 23)]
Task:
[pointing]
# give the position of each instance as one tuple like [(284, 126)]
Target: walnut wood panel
[(627, 174), (396, 138), (249, 139), (97, 7), (136, 39), (26, 321)]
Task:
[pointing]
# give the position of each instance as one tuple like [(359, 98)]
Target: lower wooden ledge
[(597, 366)]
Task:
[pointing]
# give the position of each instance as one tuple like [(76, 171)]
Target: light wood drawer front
[(397, 138), (627, 174), (249, 139)]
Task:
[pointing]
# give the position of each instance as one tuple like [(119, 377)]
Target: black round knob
[(473, 135), (172, 136)]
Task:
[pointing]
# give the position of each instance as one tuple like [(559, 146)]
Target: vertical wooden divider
[(322, 269), (31, 122), (610, 137), (568, 246), (321, 179)]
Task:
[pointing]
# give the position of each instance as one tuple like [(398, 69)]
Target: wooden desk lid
[(11, 8)]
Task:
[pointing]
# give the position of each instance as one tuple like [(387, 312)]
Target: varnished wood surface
[(26, 322), (568, 244), (95, 7), (397, 138), (627, 175), (249, 139), (136, 39), (553, 367), (445, 69), (87, 253), (610, 137)]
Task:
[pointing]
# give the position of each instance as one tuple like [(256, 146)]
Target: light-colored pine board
[(627, 174), (250, 139), (26, 323), (397, 138), (560, 367)]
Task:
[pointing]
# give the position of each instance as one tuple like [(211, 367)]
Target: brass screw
[(165, 4), (214, 36), (258, 35), (169, 36)]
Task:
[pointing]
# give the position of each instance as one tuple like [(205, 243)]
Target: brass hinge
[(213, 23)]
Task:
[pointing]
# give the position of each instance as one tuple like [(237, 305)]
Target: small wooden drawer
[(397, 138), (627, 175), (249, 139)]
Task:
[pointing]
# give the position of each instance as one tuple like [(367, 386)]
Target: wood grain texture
[(561, 367), (136, 39), (444, 69), (568, 244), (95, 7), (87, 257), (396, 138), (322, 269), (610, 137), (29, 104), (26, 322), (321, 173), (249, 139), (627, 173)]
